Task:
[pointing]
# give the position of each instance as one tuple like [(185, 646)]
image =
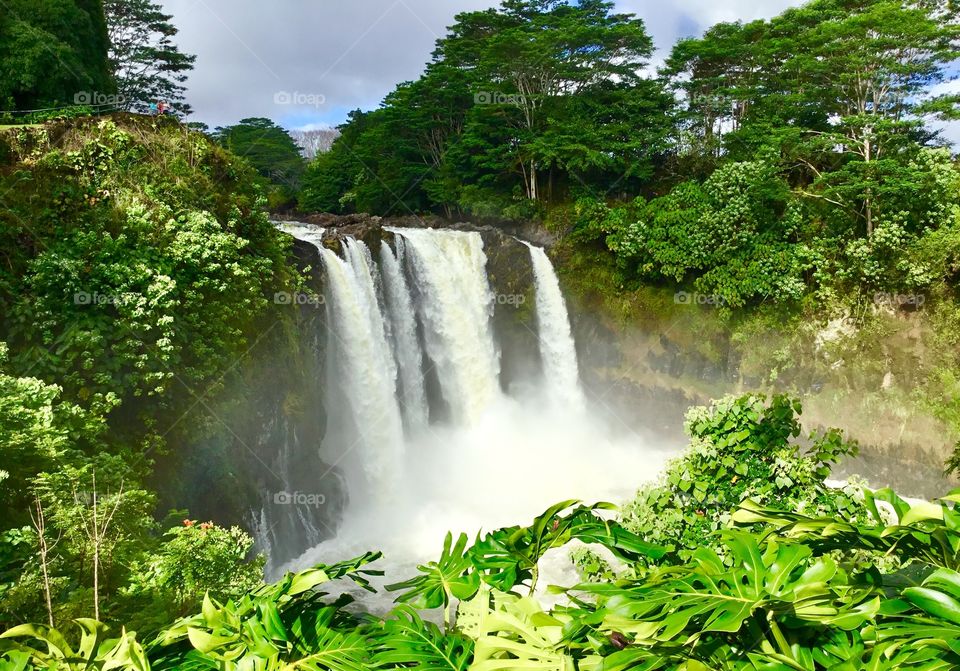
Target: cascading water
[(557, 347), (403, 334), (456, 304), (494, 460), (367, 425)]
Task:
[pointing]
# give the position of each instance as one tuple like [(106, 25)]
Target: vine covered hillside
[(137, 266)]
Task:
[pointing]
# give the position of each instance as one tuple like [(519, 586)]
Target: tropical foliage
[(137, 265), (741, 449), (51, 51), (80, 57), (770, 600), (872, 584), (273, 154), (146, 62)]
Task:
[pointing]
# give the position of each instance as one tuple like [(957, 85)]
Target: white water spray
[(456, 304), (499, 461), (557, 347), (403, 332)]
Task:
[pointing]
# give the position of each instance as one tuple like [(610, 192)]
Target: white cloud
[(327, 57)]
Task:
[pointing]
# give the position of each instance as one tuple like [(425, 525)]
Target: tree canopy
[(52, 52), (145, 60)]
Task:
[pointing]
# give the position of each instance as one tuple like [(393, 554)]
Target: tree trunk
[(868, 202), (96, 556), (40, 525)]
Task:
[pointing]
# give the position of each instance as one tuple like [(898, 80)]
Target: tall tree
[(843, 82), (270, 150), (869, 63), (538, 50), (52, 52), (146, 62)]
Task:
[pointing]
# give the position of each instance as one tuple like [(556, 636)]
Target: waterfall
[(403, 335), (557, 346), (455, 308), (366, 416), (411, 339)]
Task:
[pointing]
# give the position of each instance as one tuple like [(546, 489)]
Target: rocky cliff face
[(262, 449), (646, 364)]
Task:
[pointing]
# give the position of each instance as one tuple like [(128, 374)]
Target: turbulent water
[(366, 427), (455, 307), (424, 311), (403, 331), (557, 347)]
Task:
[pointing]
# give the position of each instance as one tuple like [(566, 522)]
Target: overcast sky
[(309, 62)]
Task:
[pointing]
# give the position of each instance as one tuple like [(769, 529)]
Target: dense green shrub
[(730, 236), (741, 448), (194, 559), (139, 261), (138, 268)]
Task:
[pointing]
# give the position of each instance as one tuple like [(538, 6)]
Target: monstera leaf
[(405, 639), (451, 577), (509, 557), (515, 633), (767, 594), (286, 626), (926, 617), (96, 650), (924, 531)]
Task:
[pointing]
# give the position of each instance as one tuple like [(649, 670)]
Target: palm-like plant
[(405, 640), (97, 650), (281, 627), (779, 599), (924, 531), (510, 557)]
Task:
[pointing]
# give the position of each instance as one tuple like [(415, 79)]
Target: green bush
[(194, 559), (729, 236), (741, 448), (139, 267)]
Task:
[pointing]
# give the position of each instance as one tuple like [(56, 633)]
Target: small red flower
[(206, 525), (188, 523)]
